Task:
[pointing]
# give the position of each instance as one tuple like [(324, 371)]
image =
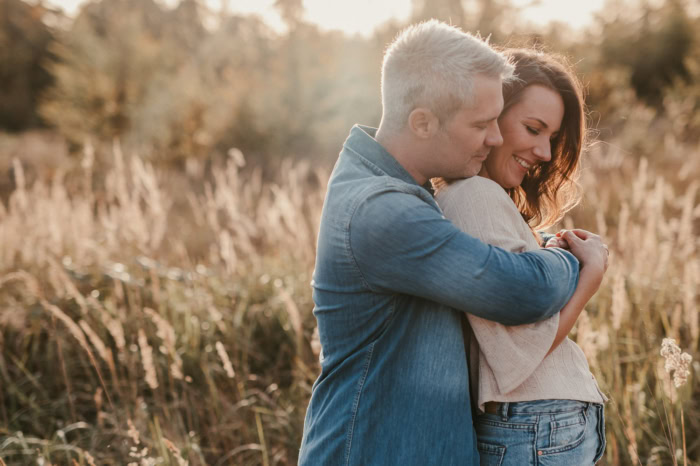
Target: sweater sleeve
[(481, 208)]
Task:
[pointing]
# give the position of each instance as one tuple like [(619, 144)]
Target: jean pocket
[(601, 433), (566, 431), (490, 455)]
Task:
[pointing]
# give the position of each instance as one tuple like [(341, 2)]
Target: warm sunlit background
[(363, 16), (162, 170)]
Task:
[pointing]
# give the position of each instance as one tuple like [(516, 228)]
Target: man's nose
[(493, 136)]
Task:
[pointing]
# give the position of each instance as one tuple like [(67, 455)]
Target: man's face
[(464, 142)]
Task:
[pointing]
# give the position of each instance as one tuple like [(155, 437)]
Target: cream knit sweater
[(508, 363)]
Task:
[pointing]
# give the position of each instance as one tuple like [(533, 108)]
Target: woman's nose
[(543, 151)]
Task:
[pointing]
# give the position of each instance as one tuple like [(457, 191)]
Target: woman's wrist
[(591, 277)]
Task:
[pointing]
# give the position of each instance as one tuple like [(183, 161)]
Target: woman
[(538, 403)]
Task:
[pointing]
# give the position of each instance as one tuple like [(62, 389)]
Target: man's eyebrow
[(487, 120)]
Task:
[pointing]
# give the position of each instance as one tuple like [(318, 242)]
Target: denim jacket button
[(539, 452)]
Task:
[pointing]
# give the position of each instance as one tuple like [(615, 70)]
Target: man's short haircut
[(433, 65)]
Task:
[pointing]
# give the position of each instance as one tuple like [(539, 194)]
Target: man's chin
[(473, 170)]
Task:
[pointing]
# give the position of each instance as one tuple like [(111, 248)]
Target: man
[(392, 275)]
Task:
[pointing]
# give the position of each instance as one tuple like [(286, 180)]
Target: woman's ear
[(423, 123)]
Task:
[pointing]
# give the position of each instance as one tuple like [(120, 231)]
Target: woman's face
[(528, 127)]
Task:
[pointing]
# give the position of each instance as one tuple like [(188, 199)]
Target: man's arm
[(403, 244)]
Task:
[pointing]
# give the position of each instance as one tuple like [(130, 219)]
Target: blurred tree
[(133, 70), (653, 45), (184, 25), (213, 100), (450, 11), (496, 19), (292, 51), (161, 82), (682, 98), (24, 51), (303, 95), (315, 86), (109, 57), (291, 12)]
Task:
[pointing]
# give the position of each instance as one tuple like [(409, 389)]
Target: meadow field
[(155, 318), (162, 174)]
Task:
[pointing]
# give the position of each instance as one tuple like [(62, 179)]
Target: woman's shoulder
[(479, 182), (475, 185), (475, 190), (482, 208)]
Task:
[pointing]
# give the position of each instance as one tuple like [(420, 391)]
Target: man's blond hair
[(433, 65)]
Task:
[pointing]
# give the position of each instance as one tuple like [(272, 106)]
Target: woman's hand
[(588, 248), (556, 242), (592, 253)]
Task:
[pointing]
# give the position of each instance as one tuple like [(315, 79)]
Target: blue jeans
[(542, 433)]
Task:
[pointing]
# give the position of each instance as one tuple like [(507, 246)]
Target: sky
[(362, 16)]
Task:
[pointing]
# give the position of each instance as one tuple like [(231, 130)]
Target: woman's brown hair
[(549, 190)]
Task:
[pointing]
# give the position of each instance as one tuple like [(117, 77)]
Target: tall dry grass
[(162, 321), (141, 324)]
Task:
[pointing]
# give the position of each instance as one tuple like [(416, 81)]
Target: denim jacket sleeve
[(402, 243)]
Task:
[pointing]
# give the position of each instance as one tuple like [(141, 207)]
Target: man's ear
[(423, 123)]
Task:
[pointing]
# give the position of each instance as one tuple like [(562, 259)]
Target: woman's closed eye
[(532, 130)]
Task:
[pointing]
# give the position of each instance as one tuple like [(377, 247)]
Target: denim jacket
[(391, 278)]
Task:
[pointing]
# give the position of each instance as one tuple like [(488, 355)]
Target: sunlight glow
[(575, 14), (363, 16), (357, 16)]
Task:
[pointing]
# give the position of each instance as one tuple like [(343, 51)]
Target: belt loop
[(504, 411)]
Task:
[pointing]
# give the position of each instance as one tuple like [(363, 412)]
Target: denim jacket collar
[(361, 142)]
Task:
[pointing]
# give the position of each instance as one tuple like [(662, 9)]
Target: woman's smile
[(527, 127), (522, 163)]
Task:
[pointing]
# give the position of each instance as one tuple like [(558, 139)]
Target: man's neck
[(401, 148)]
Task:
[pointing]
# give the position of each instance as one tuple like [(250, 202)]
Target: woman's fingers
[(572, 238), (586, 246), (583, 234), (555, 242), (589, 250), (607, 256)]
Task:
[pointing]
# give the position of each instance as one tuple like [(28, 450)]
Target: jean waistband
[(539, 406)]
